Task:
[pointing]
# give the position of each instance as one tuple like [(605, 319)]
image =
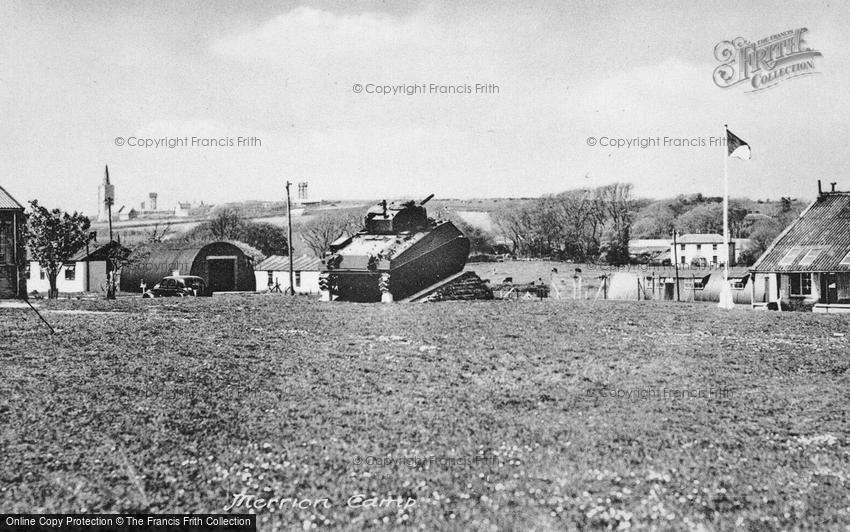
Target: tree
[(157, 233), (228, 225), (480, 241), (656, 220), (762, 234), (268, 238), (225, 224), (54, 237), (703, 219), (619, 209), (319, 233)]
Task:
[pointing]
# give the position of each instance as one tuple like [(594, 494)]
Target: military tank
[(399, 252)]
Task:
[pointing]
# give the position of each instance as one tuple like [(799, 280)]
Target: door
[(766, 296), (222, 274), (828, 288)]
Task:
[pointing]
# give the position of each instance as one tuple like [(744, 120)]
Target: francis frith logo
[(765, 63)]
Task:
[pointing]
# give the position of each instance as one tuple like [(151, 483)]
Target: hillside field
[(491, 415)]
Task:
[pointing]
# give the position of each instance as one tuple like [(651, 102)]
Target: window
[(270, 278), (846, 260), (789, 257), (682, 247), (810, 257), (70, 271), (298, 278), (699, 247), (714, 247), (41, 273), (683, 261), (696, 283), (801, 284), (5, 242), (714, 259), (27, 271), (737, 284)]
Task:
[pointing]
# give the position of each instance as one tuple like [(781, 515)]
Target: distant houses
[(703, 250), (12, 252), (809, 262), (273, 274), (125, 214), (695, 249)]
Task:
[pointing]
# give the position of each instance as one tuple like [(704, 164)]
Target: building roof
[(698, 238), (109, 250), (281, 263), (817, 241), (96, 252), (7, 202), (649, 243), (735, 272)]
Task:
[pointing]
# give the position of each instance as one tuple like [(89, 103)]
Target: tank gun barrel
[(426, 200)]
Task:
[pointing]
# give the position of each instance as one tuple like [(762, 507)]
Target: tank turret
[(399, 252)]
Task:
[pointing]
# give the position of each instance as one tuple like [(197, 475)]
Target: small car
[(178, 286)]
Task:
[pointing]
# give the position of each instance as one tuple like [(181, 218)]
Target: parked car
[(178, 286)]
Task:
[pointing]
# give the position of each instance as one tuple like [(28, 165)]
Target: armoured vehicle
[(399, 252)]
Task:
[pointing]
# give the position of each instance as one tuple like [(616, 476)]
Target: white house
[(273, 274), (702, 250), (84, 272), (182, 208), (125, 214)]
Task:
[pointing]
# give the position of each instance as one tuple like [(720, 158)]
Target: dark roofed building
[(809, 262), (12, 252)]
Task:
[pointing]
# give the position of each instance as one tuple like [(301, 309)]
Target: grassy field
[(550, 415)]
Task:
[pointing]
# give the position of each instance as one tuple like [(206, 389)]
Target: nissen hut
[(224, 266)]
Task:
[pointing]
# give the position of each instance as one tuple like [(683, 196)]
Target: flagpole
[(726, 299), (726, 203)]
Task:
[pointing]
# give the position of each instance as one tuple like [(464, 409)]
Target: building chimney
[(152, 197), (833, 185), (820, 191)]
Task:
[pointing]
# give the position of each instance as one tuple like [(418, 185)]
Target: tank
[(399, 252)]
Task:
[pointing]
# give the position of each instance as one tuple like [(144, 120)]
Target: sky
[(76, 76)]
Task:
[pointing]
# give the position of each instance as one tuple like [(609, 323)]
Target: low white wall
[(309, 281)]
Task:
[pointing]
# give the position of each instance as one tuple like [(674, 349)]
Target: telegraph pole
[(109, 198), (676, 264), (289, 239)]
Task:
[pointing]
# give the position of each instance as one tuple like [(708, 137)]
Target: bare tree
[(319, 233), (619, 210), (157, 233), (226, 224)]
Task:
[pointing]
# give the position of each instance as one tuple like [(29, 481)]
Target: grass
[(174, 406)]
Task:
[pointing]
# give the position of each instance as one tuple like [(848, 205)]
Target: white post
[(726, 291), (726, 210)]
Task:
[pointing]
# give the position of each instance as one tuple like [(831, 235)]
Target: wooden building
[(273, 274), (12, 252), (809, 262), (87, 271)]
